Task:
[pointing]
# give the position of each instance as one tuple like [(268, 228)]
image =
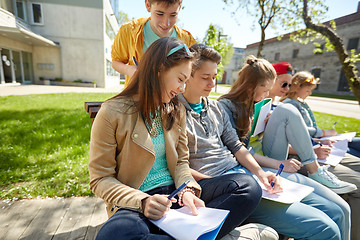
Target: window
[(316, 72), (343, 85), (37, 15), (277, 56), (295, 53), (321, 49), (20, 9), (109, 30), (353, 44)]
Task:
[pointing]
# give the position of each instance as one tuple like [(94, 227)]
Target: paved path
[(45, 219), (333, 106)]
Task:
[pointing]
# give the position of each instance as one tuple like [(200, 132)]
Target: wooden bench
[(92, 108)]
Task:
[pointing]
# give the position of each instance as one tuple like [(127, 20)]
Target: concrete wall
[(79, 32)]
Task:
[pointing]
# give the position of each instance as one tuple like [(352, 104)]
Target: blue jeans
[(354, 147), (315, 217), (129, 224), (286, 126), (239, 193)]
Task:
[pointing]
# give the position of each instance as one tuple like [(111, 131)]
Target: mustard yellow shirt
[(129, 42)]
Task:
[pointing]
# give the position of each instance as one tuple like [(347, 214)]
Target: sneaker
[(328, 179)]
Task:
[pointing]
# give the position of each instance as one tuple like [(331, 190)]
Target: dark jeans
[(238, 193)]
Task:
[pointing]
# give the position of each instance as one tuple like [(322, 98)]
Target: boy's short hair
[(166, 2)]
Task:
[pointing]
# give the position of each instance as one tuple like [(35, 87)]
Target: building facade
[(326, 65), (236, 63), (66, 41)]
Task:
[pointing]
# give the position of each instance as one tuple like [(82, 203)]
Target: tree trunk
[(261, 44), (349, 71)]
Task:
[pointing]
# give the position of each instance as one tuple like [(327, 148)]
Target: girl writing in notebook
[(138, 149)]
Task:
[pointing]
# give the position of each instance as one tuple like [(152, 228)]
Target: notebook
[(292, 192), (261, 110), (182, 224)]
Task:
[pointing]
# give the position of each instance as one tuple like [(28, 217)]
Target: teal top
[(159, 174), (197, 107), (150, 36)]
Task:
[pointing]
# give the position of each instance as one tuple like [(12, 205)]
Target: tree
[(294, 15), (265, 11), (213, 39), (122, 18), (347, 60)]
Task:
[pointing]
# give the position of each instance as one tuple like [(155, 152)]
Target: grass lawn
[(44, 143)]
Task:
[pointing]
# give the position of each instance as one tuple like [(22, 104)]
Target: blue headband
[(175, 49)]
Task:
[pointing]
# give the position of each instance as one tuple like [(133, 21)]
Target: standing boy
[(136, 36)]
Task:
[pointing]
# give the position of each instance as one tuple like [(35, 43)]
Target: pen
[(334, 125), (178, 189), (136, 63), (281, 167)]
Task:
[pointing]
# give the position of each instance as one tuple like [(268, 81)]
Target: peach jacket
[(129, 42), (122, 154)]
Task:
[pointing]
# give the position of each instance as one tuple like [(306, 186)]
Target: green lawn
[(44, 143)]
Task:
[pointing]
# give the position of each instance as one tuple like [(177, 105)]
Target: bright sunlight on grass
[(44, 143)]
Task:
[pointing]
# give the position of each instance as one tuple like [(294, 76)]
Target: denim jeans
[(239, 193), (354, 147), (286, 126), (129, 224), (315, 217)]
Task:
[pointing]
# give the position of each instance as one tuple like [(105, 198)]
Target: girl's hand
[(156, 206), (267, 178), (322, 152), (268, 117), (291, 165), (192, 201), (327, 142), (330, 132)]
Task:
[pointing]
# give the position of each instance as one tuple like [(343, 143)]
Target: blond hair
[(300, 79)]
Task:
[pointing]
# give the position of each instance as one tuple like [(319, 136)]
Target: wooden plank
[(48, 219), (21, 214), (92, 104), (93, 111), (76, 220), (98, 218)]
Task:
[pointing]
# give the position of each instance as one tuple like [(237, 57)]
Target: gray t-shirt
[(212, 140)]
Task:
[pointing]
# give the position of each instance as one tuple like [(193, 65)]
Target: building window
[(321, 49), (295, 53), (316, 72), (20, 9), (37, 15), (109, 69), (109, 30), (343, 85), (277, 56), (353, 44)]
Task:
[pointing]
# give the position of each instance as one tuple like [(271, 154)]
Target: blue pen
[(178, 189), (281, 167), (136, 63), (334, 125)]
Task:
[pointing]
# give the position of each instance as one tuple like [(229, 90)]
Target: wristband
[(182, 193)]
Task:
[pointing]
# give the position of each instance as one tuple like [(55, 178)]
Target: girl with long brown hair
[(138, 148)]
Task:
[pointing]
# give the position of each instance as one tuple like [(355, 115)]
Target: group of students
[(162, 130)]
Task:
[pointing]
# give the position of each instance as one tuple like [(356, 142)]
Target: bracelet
[(182, 193)]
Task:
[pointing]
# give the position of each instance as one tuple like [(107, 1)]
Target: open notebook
[(182, 224), (292, 192)]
